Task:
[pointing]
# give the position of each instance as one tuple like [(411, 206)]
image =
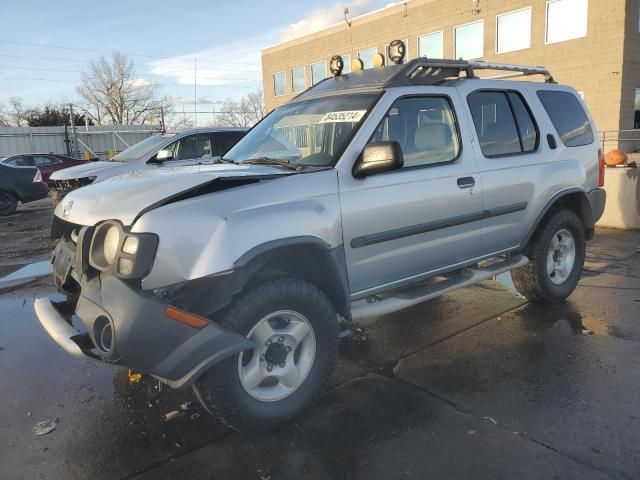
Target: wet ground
[(24, 236), (476, 384)]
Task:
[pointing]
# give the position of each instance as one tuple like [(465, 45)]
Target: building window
[(318, 72), (347, 63), (636, 117), (279, 83), (469, 40), (387, 60), (298, 83), (431, 45), (513, 31), (367, 57), (566, 20)]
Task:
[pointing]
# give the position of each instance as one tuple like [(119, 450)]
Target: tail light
[(38, 177), (600, 168)]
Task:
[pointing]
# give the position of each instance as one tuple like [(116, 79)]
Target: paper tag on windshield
[(346, 116)]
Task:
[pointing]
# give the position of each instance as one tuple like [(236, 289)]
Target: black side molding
[(396, 233)]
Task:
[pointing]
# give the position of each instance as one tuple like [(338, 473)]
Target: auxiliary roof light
[(356, 65), (378, 60), (397, 51), (336, 65)]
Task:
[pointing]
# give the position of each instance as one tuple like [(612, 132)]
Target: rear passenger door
[(406, 224), (512, 161)]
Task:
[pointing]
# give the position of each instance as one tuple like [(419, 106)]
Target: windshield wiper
[(223, 160), (272, 161)]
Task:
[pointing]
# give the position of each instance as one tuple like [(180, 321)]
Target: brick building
[(593, 45)]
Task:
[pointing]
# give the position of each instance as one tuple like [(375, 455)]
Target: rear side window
[(568, 117), (503, 123), (222, 142)]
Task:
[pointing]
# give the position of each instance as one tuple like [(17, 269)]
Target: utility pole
[(74, 137)]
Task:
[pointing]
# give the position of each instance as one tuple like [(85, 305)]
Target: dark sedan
[(47, 163), (19, 184)]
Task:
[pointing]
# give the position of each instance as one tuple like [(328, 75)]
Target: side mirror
[(379, 157), (164, 155)]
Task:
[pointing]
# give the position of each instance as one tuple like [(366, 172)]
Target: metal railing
[(627, 140)]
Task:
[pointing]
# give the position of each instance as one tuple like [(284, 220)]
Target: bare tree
[(243, 113), (5, 119), (115, 95), (18, 112)]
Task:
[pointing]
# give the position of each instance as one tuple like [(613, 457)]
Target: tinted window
[(526, 125), (43, 160), (20, 162), (568, 117), (496, 127), (192, 146), (424, 127), (222, 142)]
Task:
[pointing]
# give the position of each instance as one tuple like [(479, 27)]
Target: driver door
[(407, 224)]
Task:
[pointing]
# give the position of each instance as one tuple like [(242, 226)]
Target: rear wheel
[(295, 329), (8, 203), (556, 257)]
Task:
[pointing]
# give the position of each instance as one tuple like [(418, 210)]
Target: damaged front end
[(107, 316), (60, 188)]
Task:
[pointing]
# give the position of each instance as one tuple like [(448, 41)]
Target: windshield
[(143, 148), (311, 132)]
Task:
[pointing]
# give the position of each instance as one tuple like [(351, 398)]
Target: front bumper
[(143, 338)]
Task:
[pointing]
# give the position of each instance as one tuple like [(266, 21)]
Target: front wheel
[(556, 257), (295, 329)]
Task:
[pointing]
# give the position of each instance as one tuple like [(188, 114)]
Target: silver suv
[(366, 194)]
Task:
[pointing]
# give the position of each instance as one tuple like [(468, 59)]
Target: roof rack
[(426, 71)]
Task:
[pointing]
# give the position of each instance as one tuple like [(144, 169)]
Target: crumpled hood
[(91, 169), (124, 197)]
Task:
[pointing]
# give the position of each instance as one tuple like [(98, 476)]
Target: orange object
[(615, 158), (191, 319)]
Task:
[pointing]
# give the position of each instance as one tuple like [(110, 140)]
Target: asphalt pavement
[(477, 384)]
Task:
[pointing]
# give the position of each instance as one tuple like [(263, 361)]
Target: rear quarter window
[(568, 117)]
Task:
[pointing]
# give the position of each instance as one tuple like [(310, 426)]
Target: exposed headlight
[(124, 254), (110, 244)]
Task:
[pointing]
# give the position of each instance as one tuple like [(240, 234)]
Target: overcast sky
[(45, 44)]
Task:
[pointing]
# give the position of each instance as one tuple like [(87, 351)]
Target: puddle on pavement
[(10, 276)]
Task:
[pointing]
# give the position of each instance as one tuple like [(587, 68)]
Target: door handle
[(466, 182)]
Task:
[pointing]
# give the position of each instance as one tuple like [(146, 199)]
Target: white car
[(182, 147)]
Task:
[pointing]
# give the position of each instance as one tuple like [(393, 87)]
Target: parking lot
[(476, 384)]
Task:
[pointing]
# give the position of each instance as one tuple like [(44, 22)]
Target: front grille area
[(60, 188), (61, 228)]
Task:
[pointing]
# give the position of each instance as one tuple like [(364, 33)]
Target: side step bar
[(404, 298)]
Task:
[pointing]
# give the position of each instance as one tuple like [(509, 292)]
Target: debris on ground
[(185, 406), (134, 377), (490, 419), (44, 427), (172, 415), (195, 416)]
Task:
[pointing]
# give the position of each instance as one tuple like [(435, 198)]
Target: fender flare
[(586, 213)]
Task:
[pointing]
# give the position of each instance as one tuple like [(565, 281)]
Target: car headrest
[(433, 136)]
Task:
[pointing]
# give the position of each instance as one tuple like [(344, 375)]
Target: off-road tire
[(219, 389), (8, 203), (532, 280)]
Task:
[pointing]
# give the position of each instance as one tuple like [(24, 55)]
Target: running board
[(400, 299)]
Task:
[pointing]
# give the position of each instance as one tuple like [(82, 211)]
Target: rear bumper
[(597, 199), (143, 338), (35, 191)]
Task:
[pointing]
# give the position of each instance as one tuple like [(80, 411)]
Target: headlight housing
[(116, 250)]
